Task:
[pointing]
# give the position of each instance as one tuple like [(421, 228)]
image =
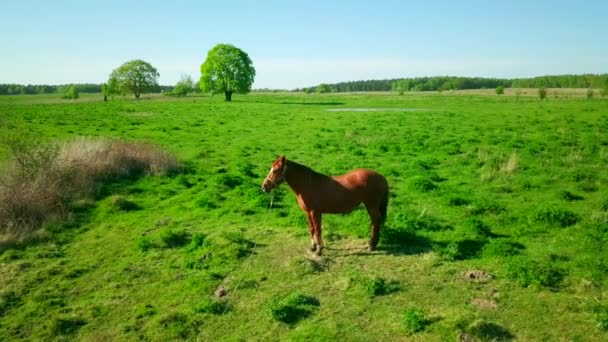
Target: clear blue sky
[(302, 43)]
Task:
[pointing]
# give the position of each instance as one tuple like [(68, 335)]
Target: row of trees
[(460, 83)]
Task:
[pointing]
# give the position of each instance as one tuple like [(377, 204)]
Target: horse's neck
[(300, 178)]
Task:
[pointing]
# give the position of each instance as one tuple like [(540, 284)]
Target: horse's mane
[(303, 168)]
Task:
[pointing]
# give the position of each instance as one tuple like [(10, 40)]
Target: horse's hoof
[(312, 249)]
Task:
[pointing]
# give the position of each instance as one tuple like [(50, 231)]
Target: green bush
[(70, 92), (415, 320), (542, 93), (525, 272), (500, 90), (292, 308), (589, 93), (604, 92)]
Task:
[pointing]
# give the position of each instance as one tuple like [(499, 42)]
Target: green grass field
[(511, 187)]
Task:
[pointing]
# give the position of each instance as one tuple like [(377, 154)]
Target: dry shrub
[(40, 181)]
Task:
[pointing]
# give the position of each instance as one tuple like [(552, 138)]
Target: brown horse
[(318, 194)]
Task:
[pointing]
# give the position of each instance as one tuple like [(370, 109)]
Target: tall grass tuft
[(40, 181)]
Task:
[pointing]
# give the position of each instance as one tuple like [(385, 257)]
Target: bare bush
[(41, 180)]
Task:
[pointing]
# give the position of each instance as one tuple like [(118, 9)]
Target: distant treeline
[(20, 89), (461, 83)]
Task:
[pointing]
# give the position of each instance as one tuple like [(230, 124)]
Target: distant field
[(510, 187)]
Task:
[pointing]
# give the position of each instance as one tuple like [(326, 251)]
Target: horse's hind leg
[(374, 215)]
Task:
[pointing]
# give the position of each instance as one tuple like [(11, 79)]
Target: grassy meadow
[(497, 223)]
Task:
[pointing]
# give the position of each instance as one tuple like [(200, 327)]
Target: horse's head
[(276, 175)]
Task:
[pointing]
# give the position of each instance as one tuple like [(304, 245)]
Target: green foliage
[(184, 86), (604, 91), (542, 93), (292, 308), (554, 215), (589, 93), (323, 88), (70, 92), (500, 90), (415, 320), (135, 76), (227, 70), (526, 272)]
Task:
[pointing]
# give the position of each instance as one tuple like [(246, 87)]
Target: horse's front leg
[(311, 229), (318, 234)]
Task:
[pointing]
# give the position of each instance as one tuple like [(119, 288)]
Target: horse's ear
[(282, 158)]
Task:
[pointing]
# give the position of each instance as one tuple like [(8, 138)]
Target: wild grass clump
[(459, 250), (569, 196), (422, 183), (292, 308), (143, 244), (484, 330), (475, 228), (120, 203), (553, 215), (212, 306), (415, 320), (176, 326), (41, 180), (218, 253), (379, 286), (601, 317), (171, 238), (501, 247), (525, 272)]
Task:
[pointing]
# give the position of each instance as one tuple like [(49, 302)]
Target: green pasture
[(497, 223)]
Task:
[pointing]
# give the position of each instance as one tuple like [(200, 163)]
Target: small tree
[(184, 86), (542, 93), (227, 70), (604, 91), (135, 77), (500, 90), (323, 88), (70, 92), (589, 93)]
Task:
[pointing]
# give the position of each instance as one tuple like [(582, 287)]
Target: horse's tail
[(383, 206)]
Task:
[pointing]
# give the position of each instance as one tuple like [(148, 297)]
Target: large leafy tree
[(227, 70), (135, 77)]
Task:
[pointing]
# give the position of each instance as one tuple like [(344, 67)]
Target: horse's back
[(363, 178)]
